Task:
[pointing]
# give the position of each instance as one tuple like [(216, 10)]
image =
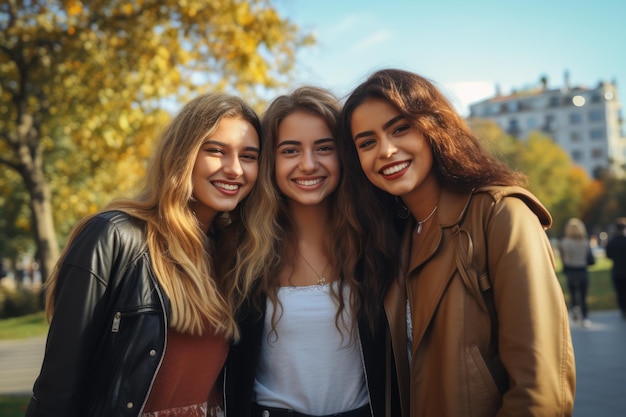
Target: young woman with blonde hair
[(140, 322), (576, 257)]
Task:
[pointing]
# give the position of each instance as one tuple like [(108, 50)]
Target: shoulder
[(110, 231), (513, 199), (117, 222)]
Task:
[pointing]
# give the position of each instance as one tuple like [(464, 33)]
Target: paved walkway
[(600, 360)]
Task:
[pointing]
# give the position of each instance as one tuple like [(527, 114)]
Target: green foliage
[(561, 186), (86, 85), (15, 302), (13, 405)]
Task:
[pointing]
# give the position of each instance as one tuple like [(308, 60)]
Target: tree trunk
[(43, 222), (31, 170)]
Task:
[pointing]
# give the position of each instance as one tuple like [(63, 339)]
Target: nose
[(308, 162), (387, 148), (232, 167)]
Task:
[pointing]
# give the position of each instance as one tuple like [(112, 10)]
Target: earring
[(401, 210)]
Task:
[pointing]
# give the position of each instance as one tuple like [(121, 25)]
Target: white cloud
[(463, 93)]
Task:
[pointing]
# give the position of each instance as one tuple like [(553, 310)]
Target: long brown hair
[(460, 159), (266, 257), (180, 252)]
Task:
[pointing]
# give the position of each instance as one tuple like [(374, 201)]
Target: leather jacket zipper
[(116, 322)]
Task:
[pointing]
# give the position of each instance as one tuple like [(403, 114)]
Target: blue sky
[(465, 47)]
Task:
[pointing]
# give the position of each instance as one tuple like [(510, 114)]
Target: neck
[(205, 217), (310, 222), (423, 199)]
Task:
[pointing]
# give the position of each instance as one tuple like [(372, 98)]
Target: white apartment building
[(586, 122)]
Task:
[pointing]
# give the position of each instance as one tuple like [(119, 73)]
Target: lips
[(394, 169), (226, 187), (310, 182)]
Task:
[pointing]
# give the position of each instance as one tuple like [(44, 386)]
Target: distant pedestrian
[(616, 251), (575, 251)]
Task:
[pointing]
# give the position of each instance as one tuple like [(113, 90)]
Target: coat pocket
[(484, 396)]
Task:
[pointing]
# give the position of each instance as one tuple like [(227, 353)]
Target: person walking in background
[(478, 319), (140, 323), (616, 251), (576, 257), (313, 338)]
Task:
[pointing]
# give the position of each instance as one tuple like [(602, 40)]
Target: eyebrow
[(385, 126), (225, 145), (298, 143)]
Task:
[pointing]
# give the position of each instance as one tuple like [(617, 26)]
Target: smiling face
[(225, 169), (307, 165), (394, 156)]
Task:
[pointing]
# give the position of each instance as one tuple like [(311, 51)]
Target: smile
[(225, 186), (309, 183), (396, 168)]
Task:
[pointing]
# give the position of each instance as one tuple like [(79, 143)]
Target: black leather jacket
[(108, 334)]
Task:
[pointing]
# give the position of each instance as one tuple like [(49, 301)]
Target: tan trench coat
[(451, 328)]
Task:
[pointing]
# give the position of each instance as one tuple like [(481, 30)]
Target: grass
[(601, 295), (13, 405), (24, 326)]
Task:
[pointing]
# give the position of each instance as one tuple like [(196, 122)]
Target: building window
[(513, 106), (597, 153), (577, 156), (596, 115), (554, 102), (549, 124), (532, 123), (596, 134), (575, 137), (513, 128), (575, 118)]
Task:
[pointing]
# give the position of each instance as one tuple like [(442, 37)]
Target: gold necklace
[(321, 279), (418, 227)]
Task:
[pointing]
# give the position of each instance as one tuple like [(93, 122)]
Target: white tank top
[(305, 365)]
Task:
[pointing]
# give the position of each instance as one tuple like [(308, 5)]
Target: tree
[(564, 188), (83, 86)]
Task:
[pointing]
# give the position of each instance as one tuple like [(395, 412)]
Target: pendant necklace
[(321, 279), (418, 227)]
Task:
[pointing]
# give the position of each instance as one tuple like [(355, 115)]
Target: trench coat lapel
[(427, 282)]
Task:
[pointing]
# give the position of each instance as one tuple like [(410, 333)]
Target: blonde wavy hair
[(180, 252), (575, 229)]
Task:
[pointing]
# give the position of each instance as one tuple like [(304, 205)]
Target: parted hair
[(180, 252), (267, 241)]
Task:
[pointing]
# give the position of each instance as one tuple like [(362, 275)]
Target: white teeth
[(308, 183), (395, 168), (228, 187)]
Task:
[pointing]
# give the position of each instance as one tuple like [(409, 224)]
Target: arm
[(534, 339), (77, 323)]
